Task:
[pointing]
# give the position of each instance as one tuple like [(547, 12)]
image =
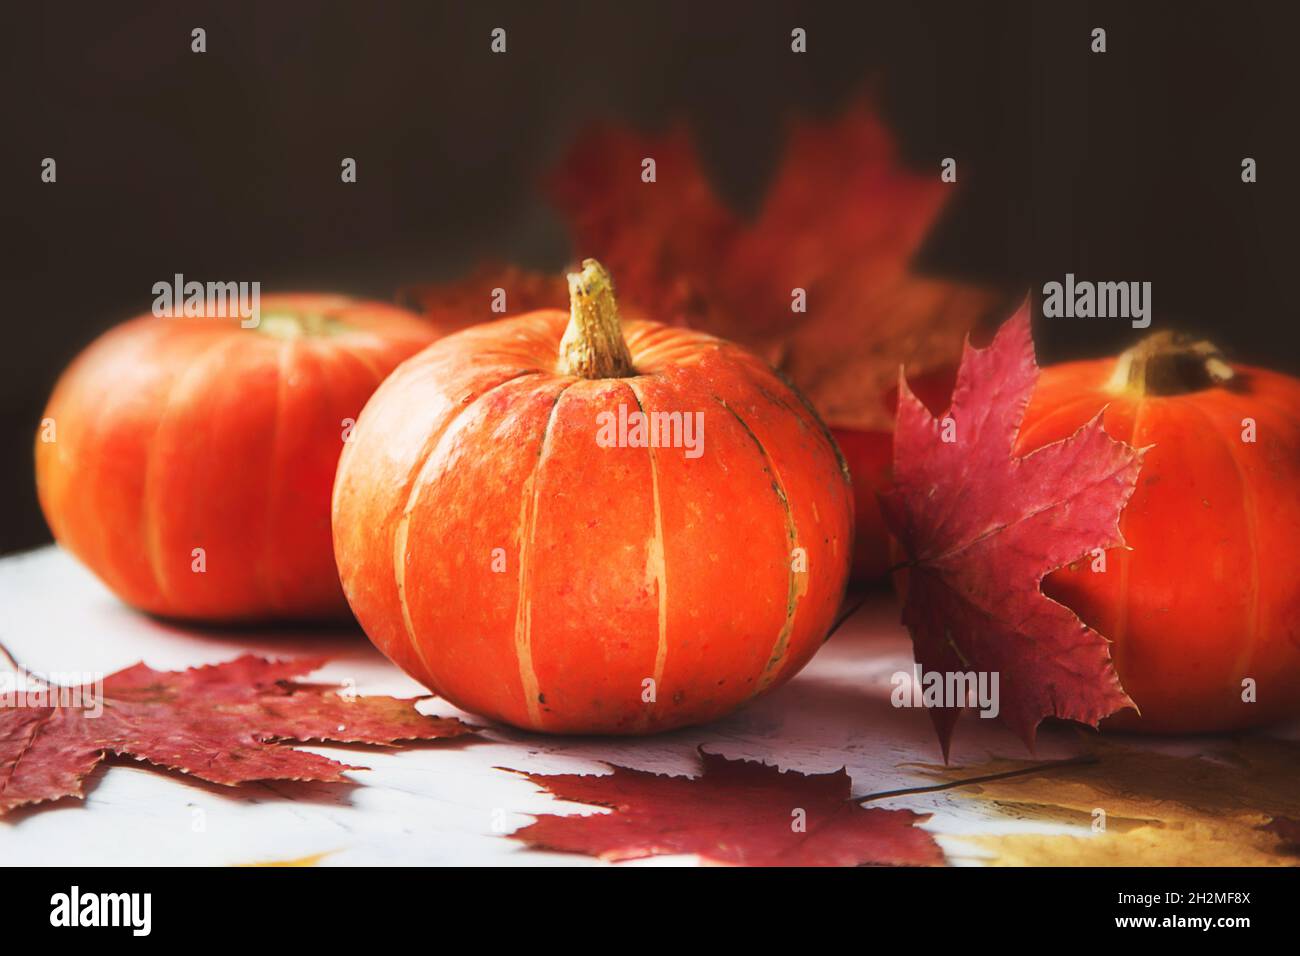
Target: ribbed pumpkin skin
[(622, 564), (1210, 593), (174, 434)]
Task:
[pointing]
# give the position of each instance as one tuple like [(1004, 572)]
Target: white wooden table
[(445, 802)]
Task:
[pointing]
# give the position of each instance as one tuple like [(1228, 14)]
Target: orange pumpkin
[(505, 540), (189, 461), (1208, 597)]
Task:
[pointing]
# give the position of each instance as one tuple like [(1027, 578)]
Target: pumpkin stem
[(593, 345), (1169, 363)]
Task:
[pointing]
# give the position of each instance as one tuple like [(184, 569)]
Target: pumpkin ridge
[(782, 645), (95, 553), (523, 603), (351, 350), (1250, 510), (153, 533), (812, 413), (260, 572), (661, 559), (1082, 406), (652, 357), (94, 550), (1118, 646), (403, 522)]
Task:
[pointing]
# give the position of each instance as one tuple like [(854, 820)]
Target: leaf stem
[(1080, 761)]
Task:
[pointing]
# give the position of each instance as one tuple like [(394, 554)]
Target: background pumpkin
[(492, 550), (1209, 593), (171, 434), (870, 455)]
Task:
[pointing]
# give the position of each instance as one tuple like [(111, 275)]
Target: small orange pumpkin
[(188, 461), (504, 540), (1204, 609)]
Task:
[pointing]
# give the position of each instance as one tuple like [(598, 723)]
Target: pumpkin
[(870, 457), (521, 525), (864, 434), (189, 462), (1207, 596)]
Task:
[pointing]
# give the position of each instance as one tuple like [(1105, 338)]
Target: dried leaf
[(981, 528), (1234, 803), (220, 723), (736, 812), (1187, 845)]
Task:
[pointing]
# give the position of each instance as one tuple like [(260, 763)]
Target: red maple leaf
[(842, 220), (736, 812), (219, 723), (981, 528)]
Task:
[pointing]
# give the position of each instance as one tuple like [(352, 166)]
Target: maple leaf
[(1233, 802), (736, 812), (220, 723), (842, 220), (981, 528)]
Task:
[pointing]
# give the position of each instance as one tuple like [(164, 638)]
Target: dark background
[(1122, 166)]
